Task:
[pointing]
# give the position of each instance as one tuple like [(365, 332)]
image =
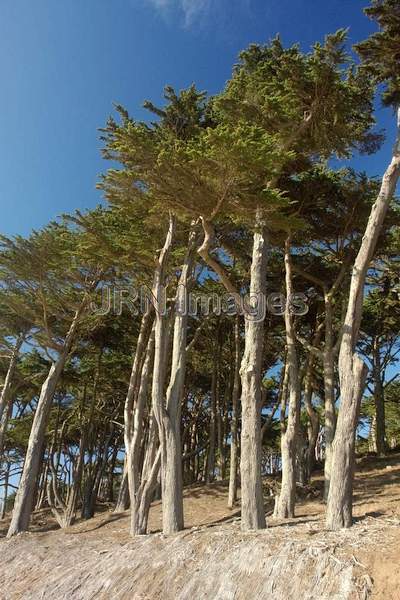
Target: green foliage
[(380, 53), (316, 103)]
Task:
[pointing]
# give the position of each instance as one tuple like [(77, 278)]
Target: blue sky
[(63, 64)]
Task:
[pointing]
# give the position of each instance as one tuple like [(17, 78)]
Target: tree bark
[(149, 480), (212, 428), (233, 471), (169, 417), (123, 502), (313, 427), (134, 443), (379, 400), (253, 513), (287, 496), (329, 393), (352, 370), (26, 489)]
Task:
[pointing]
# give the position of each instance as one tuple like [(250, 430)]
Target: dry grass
[(212, 559)]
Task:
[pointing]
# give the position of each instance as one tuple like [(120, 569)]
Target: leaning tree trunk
[(148, 484), (233, 472), (287, 496), (352, 370), (26, 489), (252, 504), (134, 443), (133, 416), (169, 419)]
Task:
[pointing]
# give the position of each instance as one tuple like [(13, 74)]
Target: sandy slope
[(212, 558)]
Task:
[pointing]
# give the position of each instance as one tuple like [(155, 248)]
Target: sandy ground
[(212, 558)]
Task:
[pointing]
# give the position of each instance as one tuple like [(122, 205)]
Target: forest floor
[(212, 559)]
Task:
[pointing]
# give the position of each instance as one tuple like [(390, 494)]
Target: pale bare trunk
[(379, 400), (352, 370), (26, 489), (233, 471), (212, 428), (133, 416), (170, 440), (287, 496), (122, 503), (329, 393), (5, 492), (134, 443), (313, 427), (253, 514)]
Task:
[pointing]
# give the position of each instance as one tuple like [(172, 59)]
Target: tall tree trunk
[(233, 471), (91, 432), (133, 417), (253, 514), (26, 489), (313, 417), (149, 480), (352, 370), (379, 400), (169, 417), (329, 393), (220, 431), (133, 445), (287, 496), (212, 428)]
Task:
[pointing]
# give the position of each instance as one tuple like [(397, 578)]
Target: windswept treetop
[(381, 51), (317, 102)]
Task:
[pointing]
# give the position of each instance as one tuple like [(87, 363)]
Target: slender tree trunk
[(233, 471), (287, 496), (149, 480), (379, 400), (27, 485), (352, 370), (5, 493), (133, 418), (91, 431), (122, 503), (212, 429), (170, 423), (220, 431), (329, 392), (134, 444), (253, 513), (313, 427), (42, 487)]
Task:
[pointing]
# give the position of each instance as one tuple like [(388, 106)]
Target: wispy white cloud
[(194, 8), (191, 10)]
